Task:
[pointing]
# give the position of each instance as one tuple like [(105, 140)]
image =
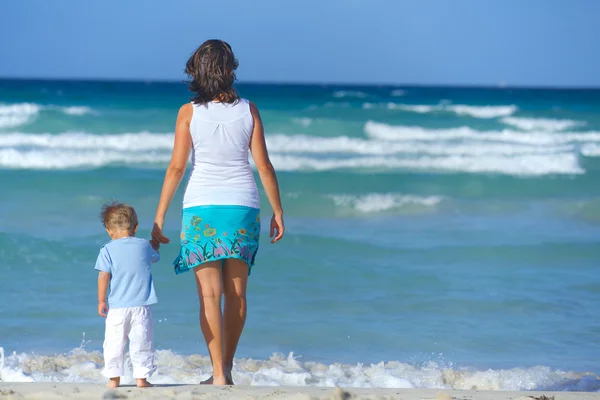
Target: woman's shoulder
[(186, 108), (186, 112)]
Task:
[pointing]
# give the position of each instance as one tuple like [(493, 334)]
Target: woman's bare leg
[(210, 291), (235, 280)]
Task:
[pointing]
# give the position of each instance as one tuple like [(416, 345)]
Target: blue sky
[(477, 42)]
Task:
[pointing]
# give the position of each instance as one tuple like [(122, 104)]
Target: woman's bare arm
[(175, 170), (258, 148)]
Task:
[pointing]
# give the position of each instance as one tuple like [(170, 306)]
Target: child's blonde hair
[(119, 216)]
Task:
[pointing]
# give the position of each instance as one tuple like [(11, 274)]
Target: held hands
[(102, 309), (157, 235), (155, 244), (277, 228)]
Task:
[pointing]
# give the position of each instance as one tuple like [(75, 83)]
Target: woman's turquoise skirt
[(211, 233)]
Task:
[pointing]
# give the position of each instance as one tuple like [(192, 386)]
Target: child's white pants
[(136, 324)]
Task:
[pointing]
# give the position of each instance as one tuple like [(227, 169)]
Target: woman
[(220, 219)]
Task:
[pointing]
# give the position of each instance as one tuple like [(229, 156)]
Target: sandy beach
[(92, 391)]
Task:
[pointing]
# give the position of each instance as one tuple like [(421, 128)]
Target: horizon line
[(310, 83)]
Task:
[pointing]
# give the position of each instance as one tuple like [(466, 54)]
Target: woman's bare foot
[(114, 382), (142, 383), (219, 380), (228, 377)]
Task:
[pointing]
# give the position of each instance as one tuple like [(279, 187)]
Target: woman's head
[(212, 72)]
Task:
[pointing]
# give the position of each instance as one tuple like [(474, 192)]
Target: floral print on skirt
[(211, 233)]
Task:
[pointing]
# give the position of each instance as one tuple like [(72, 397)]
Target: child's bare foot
[(114, 382), (142, 383)]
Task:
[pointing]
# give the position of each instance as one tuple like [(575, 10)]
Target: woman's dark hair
[(212, 72)]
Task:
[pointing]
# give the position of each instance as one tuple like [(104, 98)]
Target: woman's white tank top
[(221, 173)]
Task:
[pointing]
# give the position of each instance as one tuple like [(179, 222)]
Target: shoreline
[(51, 390)]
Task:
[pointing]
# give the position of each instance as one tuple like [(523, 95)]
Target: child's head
[(119, 219)]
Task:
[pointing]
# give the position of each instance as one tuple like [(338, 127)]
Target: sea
[(437, 237)]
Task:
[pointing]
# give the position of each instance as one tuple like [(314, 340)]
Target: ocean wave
[(80, 140), (349, 93), (398, 93), (347, 145), (483, 112), (12, 115), (85, 366), (528, 165), (378, 202), (590, 150), (388, 148), (389, 144), (544, 124), (68, 159), (376, 130), (17, 114), (522, 165)]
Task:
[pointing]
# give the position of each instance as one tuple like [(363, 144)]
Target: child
[(124, 264)]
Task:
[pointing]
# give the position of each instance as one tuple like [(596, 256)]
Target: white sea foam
[(388, 148), (525, 165), (12, 115), (284, 144), (67, 159), (484, 112), (141, 141), (378, 202), (20, 108), (16, 114), (543, 124), (279, 370), (387, 132), (347, 145), (590, 150), (349, 93), (10, 121), (529, 165)]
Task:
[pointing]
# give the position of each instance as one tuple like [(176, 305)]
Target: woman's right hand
[(277, 227), (157, 234)]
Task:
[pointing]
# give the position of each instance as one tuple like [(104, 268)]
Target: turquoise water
[(436, 237)]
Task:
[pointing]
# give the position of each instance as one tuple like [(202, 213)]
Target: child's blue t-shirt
[(129, 262)]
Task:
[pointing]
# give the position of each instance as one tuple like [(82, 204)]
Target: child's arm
[(103, 280), (103, 265)]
